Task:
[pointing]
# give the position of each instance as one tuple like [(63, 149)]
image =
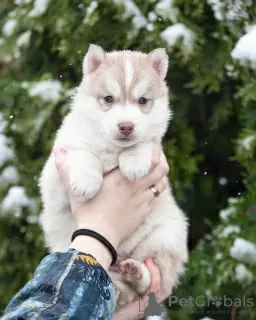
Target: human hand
[(121, 205), (135, 309)]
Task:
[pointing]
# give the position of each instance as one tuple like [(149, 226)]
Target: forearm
[(66, 284), (94, 247)]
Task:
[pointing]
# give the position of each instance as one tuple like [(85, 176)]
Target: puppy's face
[(125, 94)]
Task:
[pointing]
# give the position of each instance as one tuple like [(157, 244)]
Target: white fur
[(90, 135), (140, 89), (113, 86), (128, 73)]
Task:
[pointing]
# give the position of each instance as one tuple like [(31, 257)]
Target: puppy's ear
[(93, 59), (159, 61)]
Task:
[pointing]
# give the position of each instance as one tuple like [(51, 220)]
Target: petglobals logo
[(205, 301)]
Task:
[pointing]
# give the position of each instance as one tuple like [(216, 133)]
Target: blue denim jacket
[(66, 285)]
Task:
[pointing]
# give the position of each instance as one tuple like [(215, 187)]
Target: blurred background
[(210, 144)]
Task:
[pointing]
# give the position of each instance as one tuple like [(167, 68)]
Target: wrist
[(94, 247), (103, 229)]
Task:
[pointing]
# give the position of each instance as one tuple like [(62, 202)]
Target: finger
[(155, 284), (156, 156), (162, 156), (153, 177), (159, 186), (60, 155)]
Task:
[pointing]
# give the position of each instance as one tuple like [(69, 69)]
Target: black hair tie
[(99, 237)]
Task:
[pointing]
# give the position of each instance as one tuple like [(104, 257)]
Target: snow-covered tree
[(210, 144)]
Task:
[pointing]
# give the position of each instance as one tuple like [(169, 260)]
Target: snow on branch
[(178, 31), (245, 49)]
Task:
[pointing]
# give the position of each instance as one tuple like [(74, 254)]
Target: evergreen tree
[(210, 144)]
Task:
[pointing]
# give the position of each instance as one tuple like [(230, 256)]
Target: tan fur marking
[(116, 66)]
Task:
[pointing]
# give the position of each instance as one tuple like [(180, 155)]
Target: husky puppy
[(119, 110)]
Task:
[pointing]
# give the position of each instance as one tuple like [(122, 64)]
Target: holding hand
[(115, 212), (121, 205)]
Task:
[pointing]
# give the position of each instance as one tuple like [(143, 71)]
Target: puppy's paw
[(131, 270), (133, 165), (85, 185), (136, 274)]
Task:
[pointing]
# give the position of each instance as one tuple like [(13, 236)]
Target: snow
[(152, 16), (230, 10), (40, 7), (131, 10), (17, 199), (230, 230), (9, 27), (242, 274), (90, 9), (226, 213), (32, 219), (231, 71), (217, 8), (208, 293), (24, 85), (21, 2), (162, 317), (93, 5), (236, 10), (2, 123), (7, 58), (218, 256), (24, 39), (208, 237), (209, 270), (243, 250), (139, 21), (166, 10), (245, 49), (178, 31), (150, 27), (9, 175), (232, 200), (16, 54), (223, 181), (6, 152), (48, 90), (246, 142)]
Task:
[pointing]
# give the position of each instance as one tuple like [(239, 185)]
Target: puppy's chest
[(109, 160)]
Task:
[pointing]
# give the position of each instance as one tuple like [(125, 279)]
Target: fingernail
[(55, 152), (57, 149), (148, 261)]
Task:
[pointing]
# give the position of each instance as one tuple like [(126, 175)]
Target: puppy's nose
[(126, 128)]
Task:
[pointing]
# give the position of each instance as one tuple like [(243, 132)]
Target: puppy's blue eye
[(109, 99), (143, 100)]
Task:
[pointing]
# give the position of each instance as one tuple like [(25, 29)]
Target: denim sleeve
[(66, 285)]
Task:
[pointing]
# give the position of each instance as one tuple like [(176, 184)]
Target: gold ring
[(155, 191)]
